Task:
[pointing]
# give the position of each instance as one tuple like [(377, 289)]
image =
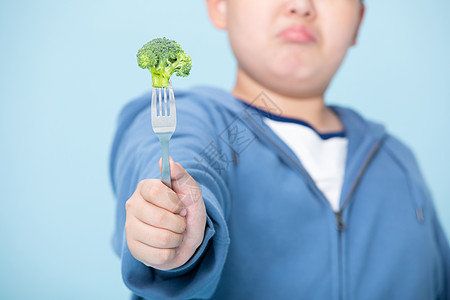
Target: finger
[(149, 255), (159, 217), (160, 195), (183, 184), (154, 236)]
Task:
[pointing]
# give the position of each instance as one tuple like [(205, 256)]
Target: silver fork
[(164, 121)]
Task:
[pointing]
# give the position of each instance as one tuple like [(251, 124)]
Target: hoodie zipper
[(340, 224)]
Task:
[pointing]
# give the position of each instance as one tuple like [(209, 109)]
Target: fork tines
[(162, 109)]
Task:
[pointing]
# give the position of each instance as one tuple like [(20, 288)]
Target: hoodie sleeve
[(445, 251), (425, 200), (134, 156), (440, 237), (442, 245), (443, 248)]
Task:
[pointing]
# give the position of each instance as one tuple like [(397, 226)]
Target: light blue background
[(66, 69)]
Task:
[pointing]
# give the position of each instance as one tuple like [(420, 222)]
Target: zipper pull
[(419, 214), (339, 221), (235, 158)]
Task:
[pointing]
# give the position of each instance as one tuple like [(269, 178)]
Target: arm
[(406, 157), (135, 155), (440, 238), (445, 252)]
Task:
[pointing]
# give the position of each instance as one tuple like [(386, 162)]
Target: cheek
[(246, 33), (338, 31)]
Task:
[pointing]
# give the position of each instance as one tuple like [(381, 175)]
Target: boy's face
[(293, 47)]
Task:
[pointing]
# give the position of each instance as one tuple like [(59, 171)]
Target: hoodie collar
[(364, 138)]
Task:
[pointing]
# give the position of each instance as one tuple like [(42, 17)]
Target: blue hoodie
[(270, 232)]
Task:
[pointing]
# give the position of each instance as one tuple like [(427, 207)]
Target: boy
[(275, 195)]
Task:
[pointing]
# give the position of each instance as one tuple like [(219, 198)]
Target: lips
[(298, 34)]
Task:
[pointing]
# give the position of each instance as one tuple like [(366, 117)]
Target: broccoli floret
[(163, 57)]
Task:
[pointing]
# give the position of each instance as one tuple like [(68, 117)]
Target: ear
[(217, 10), (361, 16)]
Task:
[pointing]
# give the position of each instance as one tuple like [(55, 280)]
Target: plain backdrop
[(68, 67)]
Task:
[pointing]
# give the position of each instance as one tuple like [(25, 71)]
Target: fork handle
[(164, 138)]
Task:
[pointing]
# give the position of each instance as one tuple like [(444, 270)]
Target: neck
[(311, 109)]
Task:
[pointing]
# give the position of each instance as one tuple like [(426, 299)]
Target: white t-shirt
[(323, 155)]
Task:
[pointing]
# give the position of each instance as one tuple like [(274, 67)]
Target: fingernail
[(183, 212)]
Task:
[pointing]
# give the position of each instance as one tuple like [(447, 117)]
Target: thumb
[(182, 182)]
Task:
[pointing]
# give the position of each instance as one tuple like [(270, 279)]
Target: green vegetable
[(163, 57)]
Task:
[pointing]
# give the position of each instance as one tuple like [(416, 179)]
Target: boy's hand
[(165, 226)]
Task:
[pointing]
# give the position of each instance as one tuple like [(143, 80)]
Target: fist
[(165, 226)]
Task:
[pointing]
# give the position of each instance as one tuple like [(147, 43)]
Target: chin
[(297, 79), (288, 79), (295, 88), (292, 66)]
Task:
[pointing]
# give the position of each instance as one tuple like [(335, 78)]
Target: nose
[(301, 8)]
